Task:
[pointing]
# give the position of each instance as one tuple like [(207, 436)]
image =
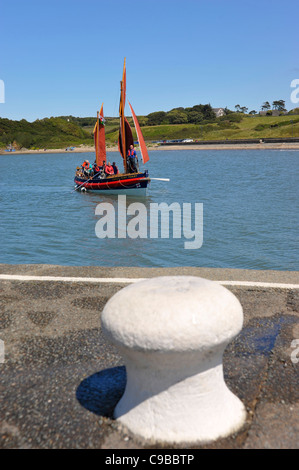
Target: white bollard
[(172, 332)]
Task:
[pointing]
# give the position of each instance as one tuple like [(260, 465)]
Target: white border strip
[(112, 280), (129, 280), (259, 284)]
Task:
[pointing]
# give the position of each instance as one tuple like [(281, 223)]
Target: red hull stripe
[(118, 183)]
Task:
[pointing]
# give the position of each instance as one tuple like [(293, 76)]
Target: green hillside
[(45, 133), (177, 124)]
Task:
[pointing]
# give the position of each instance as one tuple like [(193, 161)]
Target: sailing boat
[(127, 182)]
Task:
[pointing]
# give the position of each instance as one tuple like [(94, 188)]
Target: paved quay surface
[(61, 378)]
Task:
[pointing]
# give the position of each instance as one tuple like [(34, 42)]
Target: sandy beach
[(262, 146), (151, 147)]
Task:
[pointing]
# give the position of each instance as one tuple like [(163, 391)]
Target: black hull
[(123, 183)]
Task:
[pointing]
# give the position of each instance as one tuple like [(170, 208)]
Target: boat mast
[(122, 116), (97, 139)]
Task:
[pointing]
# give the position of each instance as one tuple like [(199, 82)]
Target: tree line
[(278, 105), (192, 115), (198, 114)]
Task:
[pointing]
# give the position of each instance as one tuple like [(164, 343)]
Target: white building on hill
[(219, 112)]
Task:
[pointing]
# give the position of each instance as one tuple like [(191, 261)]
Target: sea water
[(249, 200)]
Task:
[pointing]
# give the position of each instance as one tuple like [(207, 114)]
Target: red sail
[(128, 139), (99, 139), (96, 138), (143, 149), (124, 84), (122, 102)]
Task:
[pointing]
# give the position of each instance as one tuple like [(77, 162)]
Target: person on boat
[(115, 168), (87, 168), (96, 168), (132, 159), (109, 169), (84, 166)]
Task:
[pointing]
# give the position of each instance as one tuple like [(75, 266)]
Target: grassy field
[(251, 127)]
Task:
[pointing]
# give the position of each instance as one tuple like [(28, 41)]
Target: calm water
[(250, 211)]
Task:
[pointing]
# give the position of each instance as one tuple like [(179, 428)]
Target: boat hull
[(134, 183)]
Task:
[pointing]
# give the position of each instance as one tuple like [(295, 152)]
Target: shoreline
[(97, 274), (88, 149)]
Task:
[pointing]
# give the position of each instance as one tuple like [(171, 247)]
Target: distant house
[(219, 112)]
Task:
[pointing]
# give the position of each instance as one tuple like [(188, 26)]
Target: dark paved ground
[(61, 379)]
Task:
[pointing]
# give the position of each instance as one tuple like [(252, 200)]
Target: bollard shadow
[(101, 392)]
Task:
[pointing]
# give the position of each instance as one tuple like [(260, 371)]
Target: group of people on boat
[(90, 170)]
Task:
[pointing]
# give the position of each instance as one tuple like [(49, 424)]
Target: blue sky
[(62, 57)]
